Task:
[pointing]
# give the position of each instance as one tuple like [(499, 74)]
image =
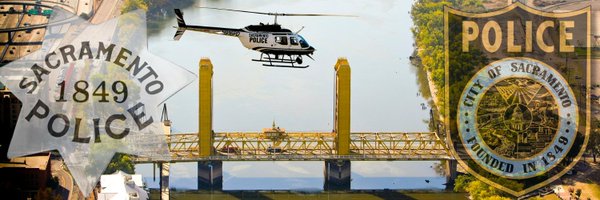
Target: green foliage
[(131, 5), (480, 190), (472, 5), (428, 31), (461, 182), (496, 197), (121, 162)]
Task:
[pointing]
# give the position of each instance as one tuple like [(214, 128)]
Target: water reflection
[(407, 175), (355, 194)]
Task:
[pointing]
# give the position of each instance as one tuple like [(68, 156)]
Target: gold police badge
[(517, 93)]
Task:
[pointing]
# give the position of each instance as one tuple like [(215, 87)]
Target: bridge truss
[(257, 146)]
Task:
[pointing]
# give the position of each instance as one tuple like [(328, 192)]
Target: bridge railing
[(299, 157), (425, 143), (310, 146)]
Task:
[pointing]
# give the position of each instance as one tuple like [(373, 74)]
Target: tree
[(131, 5), (496, 197), (428, 32), (478, 189), (461, 182), (472, 5), (122, 162)]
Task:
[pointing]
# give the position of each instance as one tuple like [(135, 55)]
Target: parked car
[(274, 150), (230, 149)]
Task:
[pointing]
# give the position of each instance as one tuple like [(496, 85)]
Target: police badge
[(517, 93)]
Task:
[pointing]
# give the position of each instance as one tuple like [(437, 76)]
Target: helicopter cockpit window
[(281, 40), (303, 42), (293, 40)]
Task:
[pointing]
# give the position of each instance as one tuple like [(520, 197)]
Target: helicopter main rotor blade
[(278, 14), (235, 10), (314, 15)]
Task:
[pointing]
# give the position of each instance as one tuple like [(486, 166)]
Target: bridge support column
[(210, 175), (342, 107), (337, 175), (450, 173), (164, 180), (205, 142)]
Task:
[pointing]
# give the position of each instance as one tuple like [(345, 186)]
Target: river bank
[(427, 88)]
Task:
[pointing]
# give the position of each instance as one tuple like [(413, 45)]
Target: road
[(67, 7), (108, 9), (65, 179), (22, 40)]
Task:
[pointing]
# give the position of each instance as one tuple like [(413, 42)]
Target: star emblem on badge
[(92, 91)]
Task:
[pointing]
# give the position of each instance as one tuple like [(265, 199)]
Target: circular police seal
[(517, 118)]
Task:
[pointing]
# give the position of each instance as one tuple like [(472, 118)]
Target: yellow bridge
[(256, 146), (336, 148)]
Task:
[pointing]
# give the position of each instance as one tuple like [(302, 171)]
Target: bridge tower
[(337, 171), (205, 108), (210, 172)]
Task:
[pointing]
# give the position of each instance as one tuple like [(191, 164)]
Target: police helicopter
[(279, 47)]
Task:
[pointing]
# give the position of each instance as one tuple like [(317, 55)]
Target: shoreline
[(433, 91)]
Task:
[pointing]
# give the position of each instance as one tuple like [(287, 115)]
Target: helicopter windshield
[(303, 42)]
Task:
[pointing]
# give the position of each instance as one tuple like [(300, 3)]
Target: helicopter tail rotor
[(181, 27), (180, 21)]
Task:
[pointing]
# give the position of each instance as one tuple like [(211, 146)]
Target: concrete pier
[(337, 175), (210, 175), (451, 173), (164, 180)]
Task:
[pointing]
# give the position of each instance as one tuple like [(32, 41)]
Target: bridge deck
[(307, 146)]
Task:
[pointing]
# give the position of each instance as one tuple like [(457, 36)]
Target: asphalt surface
[(65, 179), (108, 9)]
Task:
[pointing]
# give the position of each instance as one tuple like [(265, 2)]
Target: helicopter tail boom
[(181, 27)]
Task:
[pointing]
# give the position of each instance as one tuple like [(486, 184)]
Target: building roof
[(121, 185), (37, 161)]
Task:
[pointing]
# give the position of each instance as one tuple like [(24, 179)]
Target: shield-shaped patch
[(517, 93)]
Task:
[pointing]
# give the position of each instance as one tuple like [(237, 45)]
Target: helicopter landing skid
[(269, 61)]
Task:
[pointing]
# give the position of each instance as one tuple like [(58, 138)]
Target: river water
[(249, 97)]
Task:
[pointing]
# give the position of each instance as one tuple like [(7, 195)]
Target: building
[(10, 107), (23, 177), (122, 186)]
